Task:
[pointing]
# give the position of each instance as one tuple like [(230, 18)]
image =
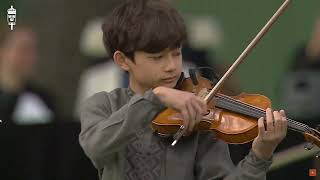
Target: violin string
[(310, 130), (249, 112), (257, 112), (254, 114), (262, 112)]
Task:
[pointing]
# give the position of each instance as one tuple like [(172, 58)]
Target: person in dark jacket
[(21, 100)]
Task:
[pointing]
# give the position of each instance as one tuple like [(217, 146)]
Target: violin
[(233, 119)]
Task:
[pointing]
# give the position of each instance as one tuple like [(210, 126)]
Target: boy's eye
[(176, 53), (157, 57)]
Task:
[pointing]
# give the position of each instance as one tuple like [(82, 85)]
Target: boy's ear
[(121, 60)]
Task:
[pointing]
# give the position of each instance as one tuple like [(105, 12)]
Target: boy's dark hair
[(143, 25)]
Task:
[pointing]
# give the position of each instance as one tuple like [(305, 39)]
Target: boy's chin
[(169, 85)]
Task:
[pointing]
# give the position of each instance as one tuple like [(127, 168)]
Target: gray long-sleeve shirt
[(117, 137)]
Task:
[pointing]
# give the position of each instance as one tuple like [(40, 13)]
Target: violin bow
[(242, 56), (249, 48)]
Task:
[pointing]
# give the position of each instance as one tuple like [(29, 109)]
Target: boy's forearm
[(250, 168), (107, 133)]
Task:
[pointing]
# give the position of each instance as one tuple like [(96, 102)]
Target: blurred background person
[(101, 74), (300, 97), (301, 84), (25, 107), (21, 100), (308, 56)]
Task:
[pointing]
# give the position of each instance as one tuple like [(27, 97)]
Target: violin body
[(232, 127), (233, 119), (236, 128)]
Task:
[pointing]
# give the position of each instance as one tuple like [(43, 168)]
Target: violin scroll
[(312, 136)]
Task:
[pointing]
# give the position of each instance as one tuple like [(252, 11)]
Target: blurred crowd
[(21, 100), (25, 102)]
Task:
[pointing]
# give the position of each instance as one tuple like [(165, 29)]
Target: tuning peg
[(318, 154), (308, 146)]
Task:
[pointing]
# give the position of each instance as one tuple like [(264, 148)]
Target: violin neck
[(230, 104)]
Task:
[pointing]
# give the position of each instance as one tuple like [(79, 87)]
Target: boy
[(145, 38)]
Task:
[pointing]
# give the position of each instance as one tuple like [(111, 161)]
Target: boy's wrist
[(263, 152)]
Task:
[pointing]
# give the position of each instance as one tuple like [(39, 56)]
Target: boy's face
[(151, 70)]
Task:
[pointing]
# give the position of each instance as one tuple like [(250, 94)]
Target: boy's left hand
[(270, 136)]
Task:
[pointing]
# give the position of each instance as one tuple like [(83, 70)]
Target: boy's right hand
[(191, 107)]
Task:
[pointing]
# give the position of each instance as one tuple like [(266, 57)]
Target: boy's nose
[(170, 64)]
